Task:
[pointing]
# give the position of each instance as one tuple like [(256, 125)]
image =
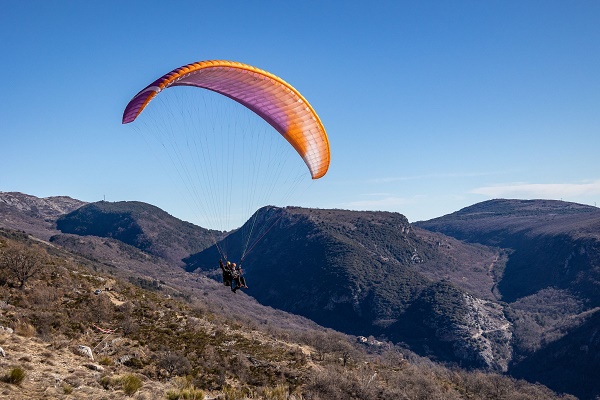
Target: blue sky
[(430, 106)]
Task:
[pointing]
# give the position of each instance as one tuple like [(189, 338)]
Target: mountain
[(373, 274), (551, 282), (552, 243), (33, 214), (104, 254), (569, 364), (140, 225)]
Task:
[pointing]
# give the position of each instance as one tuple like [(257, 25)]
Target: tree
[(21, 262)]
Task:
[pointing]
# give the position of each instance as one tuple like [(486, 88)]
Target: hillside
[(33, 214), (372, 274), (173, 345), (140, 225), (552, 244), (550, 281)]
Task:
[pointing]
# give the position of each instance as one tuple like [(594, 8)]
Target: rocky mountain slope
[(551, 281), (33, 214), (366, 273)]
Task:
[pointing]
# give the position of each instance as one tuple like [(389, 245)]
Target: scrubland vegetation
[(186, 347)]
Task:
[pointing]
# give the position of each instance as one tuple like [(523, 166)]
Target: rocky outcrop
[(486, 336), (45, 208), (94, 367), (34, 215)]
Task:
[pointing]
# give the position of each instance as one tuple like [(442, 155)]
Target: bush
[(130, 384), (280, 392), (106, 361), (24, 329), (67, 389), (190, 393), (232, 393), (134, 363), (15, 376)]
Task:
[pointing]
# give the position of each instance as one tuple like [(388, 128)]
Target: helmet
[(228, 262), (234, 264)]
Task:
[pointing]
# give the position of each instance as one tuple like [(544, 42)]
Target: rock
[(94, 367), (6, 329), (124, 359), (85, 351), (484, 336)]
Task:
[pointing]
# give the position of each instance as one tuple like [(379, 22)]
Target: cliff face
[(487, 333)]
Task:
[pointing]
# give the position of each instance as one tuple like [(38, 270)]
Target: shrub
[(280, 392), (15, 376), (105, 382), (190, 393), (232, 393), (106, 361), (130, 384), (134, 363), (24, 329), (67, 389)]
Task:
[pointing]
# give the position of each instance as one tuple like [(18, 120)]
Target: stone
[(94, 367), (85, 351)]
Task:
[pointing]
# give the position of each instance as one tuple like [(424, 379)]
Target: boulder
[(94, 367), (124, 359), (85, 351), (6, 329)]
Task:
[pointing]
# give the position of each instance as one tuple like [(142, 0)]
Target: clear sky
[(430, 106)]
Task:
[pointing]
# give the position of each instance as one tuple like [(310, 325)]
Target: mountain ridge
[(29, 213), (138, 224)]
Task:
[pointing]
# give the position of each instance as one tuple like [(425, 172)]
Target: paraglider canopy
[(269, 96)]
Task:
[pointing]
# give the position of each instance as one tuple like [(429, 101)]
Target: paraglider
[(274, 101), (269, 96)]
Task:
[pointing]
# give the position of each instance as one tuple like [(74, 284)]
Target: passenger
[(227, 273), (241, 278), (238, 278)]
